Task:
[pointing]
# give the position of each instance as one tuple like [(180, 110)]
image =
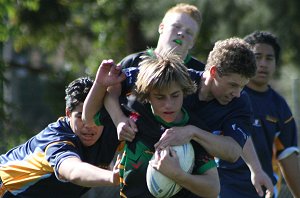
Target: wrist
[(192, 132), (255, 169)]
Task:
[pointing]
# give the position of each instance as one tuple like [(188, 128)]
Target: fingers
[(164, 142), (114, 69), (125, 132), (269, 189), (160, 145), (153, 163), (173, 153), (164, 153), (259, 190), (132, 125), (269, 194)]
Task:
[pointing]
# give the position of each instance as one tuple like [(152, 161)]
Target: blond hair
[(191, 10), (158, 72)]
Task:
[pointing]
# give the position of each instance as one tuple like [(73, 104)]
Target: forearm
[(112, 105), (250, 157), (93, 103), (85, 174), (204, 185), (91, 176), (290, 167), (223, 147)]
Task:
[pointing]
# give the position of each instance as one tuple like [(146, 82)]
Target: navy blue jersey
[(273, 124), (137, 153), (234, 120), (31, 169), (133, 60)]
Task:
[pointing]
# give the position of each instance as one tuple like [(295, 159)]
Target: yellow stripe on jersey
[(288, 120), (271, 119), (18, 175)]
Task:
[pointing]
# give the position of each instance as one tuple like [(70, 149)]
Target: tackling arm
[(74, 170)]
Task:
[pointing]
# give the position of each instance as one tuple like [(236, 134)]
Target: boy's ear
[(68, 112), (213, 71), (160, 28)]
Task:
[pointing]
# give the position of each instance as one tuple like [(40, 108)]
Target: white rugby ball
[(160, 185)]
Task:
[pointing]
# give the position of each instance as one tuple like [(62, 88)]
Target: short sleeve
[(57, 152)]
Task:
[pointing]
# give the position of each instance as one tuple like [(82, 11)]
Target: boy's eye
[(233, 85), (190, 33), (176, 26), (258, 57), (78, 116)]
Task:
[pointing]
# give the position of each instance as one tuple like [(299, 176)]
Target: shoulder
[(278, 98), (61, 127), (193, 63), (242, 102), (57, 132), (132, 60)]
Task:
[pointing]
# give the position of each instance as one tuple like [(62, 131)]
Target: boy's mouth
[(178, 41)]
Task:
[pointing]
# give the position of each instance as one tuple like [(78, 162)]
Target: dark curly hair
[(77, 91), (266, 38), (232, 55)]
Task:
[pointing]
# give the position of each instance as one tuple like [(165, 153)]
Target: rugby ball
[(160, 185)]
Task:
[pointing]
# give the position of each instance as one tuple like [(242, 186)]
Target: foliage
[(73, 37)]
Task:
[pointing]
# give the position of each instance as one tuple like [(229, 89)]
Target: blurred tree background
[(45, 44)]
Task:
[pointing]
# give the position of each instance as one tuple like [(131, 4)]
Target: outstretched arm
[(108, 74), (74, 170)]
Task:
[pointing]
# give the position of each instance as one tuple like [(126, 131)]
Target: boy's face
[(265, 62), (167, 103), (178, 32), (224, 89), (87, 135)]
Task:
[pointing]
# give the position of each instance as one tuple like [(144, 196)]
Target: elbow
[(212, 187), (217, 189), (235, 152), (231, 156), (214, 190), (74, 177), (234, 157)]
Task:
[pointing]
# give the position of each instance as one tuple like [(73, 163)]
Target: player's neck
[(204, 88), (258, 87)]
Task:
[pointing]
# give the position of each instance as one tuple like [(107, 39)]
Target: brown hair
[(158, 72), (232, 55)]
